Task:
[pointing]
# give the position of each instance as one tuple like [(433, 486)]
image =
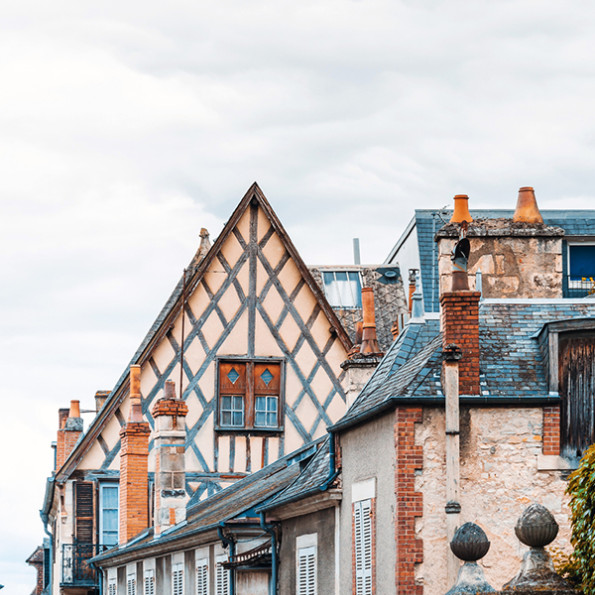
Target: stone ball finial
[(537, 526), (470, 543)]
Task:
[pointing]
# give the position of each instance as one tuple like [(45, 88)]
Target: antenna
[(182, 340)]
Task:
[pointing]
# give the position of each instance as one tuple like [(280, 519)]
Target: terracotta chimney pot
[(461, 212), (75, 409), (527, 210), (369, 339), (170, 389), (136, 414)]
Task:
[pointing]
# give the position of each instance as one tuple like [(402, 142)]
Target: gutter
[(232, 550)]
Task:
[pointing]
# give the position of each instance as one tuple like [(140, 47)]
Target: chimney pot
[(136, 414), (527, 210), (75, 409), (461, 212), (369, 339), (170, 390)]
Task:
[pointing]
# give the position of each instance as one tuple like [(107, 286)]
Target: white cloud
[(127, 126)]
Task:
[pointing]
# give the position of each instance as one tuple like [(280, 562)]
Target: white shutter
[(306, 572), (362, 530), (131, 584), (177, 577), (222, 578), (111, 589), (149, 582), (202, 577)]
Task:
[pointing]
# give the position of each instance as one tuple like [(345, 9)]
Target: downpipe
[(227, 542), (270, 529)]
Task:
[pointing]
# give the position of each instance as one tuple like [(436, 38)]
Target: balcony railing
[(578, 287), (75, 564)]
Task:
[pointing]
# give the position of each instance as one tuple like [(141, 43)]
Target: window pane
[(343, 289), (110, 497), (110, 520), (226, 403), (238, 403), (238, 418), (260, 419), (226, 418), (266, 412), (582, 261)]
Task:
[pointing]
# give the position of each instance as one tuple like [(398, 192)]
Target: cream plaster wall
[(499, 479)]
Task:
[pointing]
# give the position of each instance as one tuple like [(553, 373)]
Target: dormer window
[(343, 289), (571, 355)]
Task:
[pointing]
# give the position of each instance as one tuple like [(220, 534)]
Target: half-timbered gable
[(262, 350)]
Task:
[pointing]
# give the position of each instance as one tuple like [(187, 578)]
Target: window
[(177, 579), (343, 289), (362, 534), (108, 519), (250, 395), (131, 584), (202, 577), (149, 582), (581, 270), (306, 572), (222, 578)]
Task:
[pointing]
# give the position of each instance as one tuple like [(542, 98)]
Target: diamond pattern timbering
[(248, 300)]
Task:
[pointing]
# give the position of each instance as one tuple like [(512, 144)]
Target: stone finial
[(537, 528), (470, 543)]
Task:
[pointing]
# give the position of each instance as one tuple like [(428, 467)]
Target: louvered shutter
[(178, 579), (131, 584), (149, 582), (221, 578), (202, 577), (362, 531), (84, 511), (306, 572), (111, 589)]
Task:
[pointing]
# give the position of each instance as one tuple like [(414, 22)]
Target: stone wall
[(516, 260), (500, 450)]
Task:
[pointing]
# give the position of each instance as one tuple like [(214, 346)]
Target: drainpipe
[(227, 542), (450, 369), (44, 519), (332, 474), (270, 529)]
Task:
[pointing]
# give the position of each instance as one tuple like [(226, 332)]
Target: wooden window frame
[(249, 426)]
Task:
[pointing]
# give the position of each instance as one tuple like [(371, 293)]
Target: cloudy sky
[(125, 126)]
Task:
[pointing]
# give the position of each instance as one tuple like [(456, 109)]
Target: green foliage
[(581, 487)]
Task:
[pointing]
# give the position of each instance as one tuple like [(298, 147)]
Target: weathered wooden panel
[(577, 389)]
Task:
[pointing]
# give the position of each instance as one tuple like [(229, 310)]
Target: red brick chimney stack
[(170, 471), (70, 430), (460, 321), (369, 338), (134, 469)]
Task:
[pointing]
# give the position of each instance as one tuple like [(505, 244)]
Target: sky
[(126, 126)]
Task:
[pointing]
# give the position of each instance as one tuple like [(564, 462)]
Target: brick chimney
[(134, 471), (70, 430), (460, 318), (170, 472)]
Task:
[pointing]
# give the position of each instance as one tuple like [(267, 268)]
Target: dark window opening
[(577, 390)]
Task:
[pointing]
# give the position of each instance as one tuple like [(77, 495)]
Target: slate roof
[(512, 361), (310, 481), (232, 502), (429, 221)]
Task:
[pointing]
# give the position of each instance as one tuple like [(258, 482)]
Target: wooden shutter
[(149, 582), (84, 511), (577, 389), (131, 584), (306, 572), (178, 579), (232, 378), (221, 578), (202, 577), (362, 531), (111, 589)]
